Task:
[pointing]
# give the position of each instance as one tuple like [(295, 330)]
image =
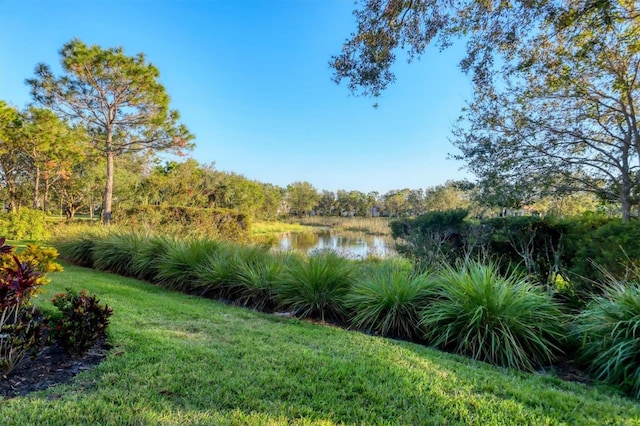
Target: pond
[(352, 245)]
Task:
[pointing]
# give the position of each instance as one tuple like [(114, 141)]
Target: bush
[(222, 268), (316, 286), (21, 334), (612, 246), (21, 326), (388, 300), (432, 237), (500, 320), (609, 329), (83, 321), (25, 224), (188, 221)]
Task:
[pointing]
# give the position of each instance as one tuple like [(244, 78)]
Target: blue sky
[(251, 80)]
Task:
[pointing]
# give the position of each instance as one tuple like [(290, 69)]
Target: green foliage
[(501, 320), (216, 272), (316, 286), (179, 267), (21, 334), (432, 237), (116, 252), (25, 224), (609, 329), (536, 244), (188, 221), (255, 278), (21, 326), (146, 261), (78, 248), (388, 299), (609, 245), (83, 321)]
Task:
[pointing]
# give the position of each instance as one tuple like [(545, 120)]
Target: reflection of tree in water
[(346, 243)]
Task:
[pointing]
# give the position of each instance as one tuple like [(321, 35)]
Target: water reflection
[(353, 245)]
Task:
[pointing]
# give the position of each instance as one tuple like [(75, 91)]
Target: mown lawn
[(181, 360)]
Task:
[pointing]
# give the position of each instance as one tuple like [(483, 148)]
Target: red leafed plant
[(21, 326)]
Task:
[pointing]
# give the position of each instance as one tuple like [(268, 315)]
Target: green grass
[(180, 359)]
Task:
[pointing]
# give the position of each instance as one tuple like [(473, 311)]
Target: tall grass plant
[(503, 320)]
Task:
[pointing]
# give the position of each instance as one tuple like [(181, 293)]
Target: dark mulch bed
[(51, 367)]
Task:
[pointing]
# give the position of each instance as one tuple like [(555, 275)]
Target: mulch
[(51, 367)]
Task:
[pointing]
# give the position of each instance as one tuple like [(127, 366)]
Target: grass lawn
[(183, 360)]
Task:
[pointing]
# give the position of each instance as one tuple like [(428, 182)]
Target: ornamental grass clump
[(146, 261), (504, 321), (316, 286), (255, 277), (216, 272), (388, 300), (609, 329), (115, 252), (78, 248), (177, 268)]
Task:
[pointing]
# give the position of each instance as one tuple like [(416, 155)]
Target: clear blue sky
[(251, 80)]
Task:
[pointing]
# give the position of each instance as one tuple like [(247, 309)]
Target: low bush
[(316, 286), (609, 329), (83, 321), (501, 320), (388, 300), (25, 224), (21, 326), (188, 221)]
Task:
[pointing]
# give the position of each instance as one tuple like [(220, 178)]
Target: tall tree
[(118, 98), (491, 28), (564, 119), (50, 146), (13, 164), (302, 197)]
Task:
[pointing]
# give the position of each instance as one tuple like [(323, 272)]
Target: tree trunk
[(45, 197), (108, 189), (36, 189)]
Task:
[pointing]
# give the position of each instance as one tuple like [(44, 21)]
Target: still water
[(352, 245)]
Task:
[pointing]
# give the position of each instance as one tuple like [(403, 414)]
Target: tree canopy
[(118, 98)]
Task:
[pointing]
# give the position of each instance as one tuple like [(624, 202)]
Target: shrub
[(316, 286), (388, 300), (189, 221), (609, 329), (433, 237), (220, 270), (21, 334), (501, 320), (83, 321), (21, 326), (25, 224)]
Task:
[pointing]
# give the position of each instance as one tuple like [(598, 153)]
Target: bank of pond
[(472, 308)]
